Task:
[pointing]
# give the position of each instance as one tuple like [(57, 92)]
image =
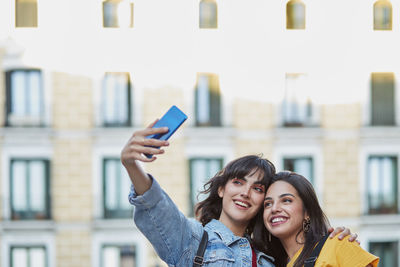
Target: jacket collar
[(222, 231), (229, 238), (263, 255)]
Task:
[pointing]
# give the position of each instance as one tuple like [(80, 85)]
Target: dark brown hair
[(318, 222), (211, 207)]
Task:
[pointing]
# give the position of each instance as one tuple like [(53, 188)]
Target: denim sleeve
[(168, 230)]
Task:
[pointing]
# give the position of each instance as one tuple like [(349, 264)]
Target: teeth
[(240, 203), (279, 219)]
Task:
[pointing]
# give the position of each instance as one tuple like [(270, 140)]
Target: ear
[(221, 191)]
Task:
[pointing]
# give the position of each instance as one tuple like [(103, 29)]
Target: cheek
[(259, 199), (265, 216), (265, 219), (300, 213)]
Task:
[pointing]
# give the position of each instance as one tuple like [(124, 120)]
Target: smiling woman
[(295, 223), (228, 214)]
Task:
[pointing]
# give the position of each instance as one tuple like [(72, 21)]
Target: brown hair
[(211, 207), (318, 222)]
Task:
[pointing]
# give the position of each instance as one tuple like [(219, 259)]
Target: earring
[(269, 237), (306, 225)]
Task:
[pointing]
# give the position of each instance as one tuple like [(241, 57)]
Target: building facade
[(311, 84)]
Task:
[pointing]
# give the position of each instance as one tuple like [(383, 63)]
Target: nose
[(275, 207), (246, 192)]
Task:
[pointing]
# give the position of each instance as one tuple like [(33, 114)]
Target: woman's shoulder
[(345, 253)]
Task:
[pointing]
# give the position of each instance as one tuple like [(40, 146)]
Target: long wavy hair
[(319, 223), (211, 207)]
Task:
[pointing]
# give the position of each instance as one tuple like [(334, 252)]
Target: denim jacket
[(176, 238)]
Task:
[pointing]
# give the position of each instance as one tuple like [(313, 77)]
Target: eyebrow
[(281, 196), (256, 182)]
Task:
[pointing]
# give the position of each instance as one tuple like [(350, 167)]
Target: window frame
[(309, 121), (41, 238), (397, 249), (307, 157), (303, 148), (104, 245), (214, 98), (383, 75), (28, 248), (367, 100), (381, 4), (36, 23), (104, 149), (376, 149), (129, 103), (31, 214), (116, 18), (219, 147), (9, 97), (208, 23), (118, 237), (396, 184), (27, 150), (108, 213), (291, 21), (190, 162)]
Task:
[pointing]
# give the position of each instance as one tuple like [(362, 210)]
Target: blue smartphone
[(172, 119)]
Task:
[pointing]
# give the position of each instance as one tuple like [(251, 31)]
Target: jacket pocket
[(218, 254)]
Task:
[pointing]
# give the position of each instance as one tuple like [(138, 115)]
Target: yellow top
[(341, 253)]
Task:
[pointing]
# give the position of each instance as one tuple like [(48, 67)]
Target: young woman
[(228, 214), (295, 223)]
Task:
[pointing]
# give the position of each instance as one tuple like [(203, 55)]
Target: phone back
[(172, 119)]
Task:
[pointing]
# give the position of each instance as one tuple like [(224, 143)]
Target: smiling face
[(241, 200), (283, 211)]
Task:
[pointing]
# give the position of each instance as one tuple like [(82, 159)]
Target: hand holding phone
[(172, 119)]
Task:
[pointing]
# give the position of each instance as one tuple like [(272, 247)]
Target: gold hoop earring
[(306, 225)]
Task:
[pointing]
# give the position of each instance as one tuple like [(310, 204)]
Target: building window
[(116, 99), (382, 15), (28, 256), (382, 176), (301, 165), (207, 100), (387, 253), (116, 188), (208, 18), (201, 170), (30, 196), (382, 99), (297, 106), (26, 13), (295, 15), (118, 256), (117, 13), (25, 98)]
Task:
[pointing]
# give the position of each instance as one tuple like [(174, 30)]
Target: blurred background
[(310, 84)]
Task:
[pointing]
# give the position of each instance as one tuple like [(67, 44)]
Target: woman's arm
[(156, 215), (168, 230), (133, 151)]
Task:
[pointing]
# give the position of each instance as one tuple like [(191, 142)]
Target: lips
[(277, 220), (242, 204)]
